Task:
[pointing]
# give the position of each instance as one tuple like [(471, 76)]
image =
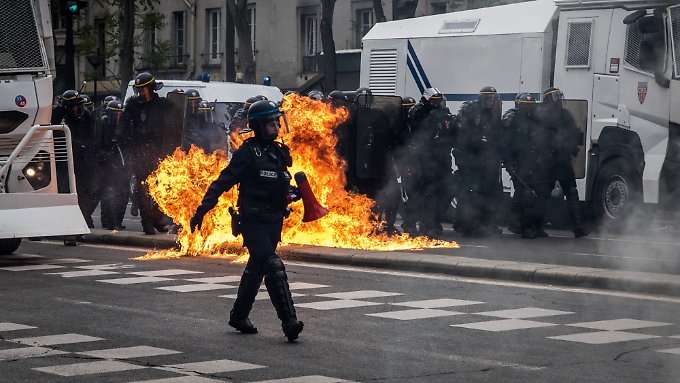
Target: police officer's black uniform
[(567, 139), (430, 147), (259, 166), (477, 156), (81, 125), (115, 186), (528, 156), (144, 118)]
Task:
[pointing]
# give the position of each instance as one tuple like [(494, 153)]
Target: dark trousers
[(261, 238), (145, 160), (567, 179), (87, 185), (532, 206), (115, 193)]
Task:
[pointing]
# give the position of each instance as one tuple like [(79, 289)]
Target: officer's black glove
[(196, 222)]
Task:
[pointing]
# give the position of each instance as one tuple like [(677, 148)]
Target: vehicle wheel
[(9, 245), (617, 194)]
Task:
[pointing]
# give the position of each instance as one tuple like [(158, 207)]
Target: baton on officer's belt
[(514, 175), (402, 191)]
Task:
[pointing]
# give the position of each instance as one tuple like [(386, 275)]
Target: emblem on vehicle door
[(642, 91), (20, 101)]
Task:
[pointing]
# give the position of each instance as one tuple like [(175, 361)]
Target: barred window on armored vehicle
[(578, 40)]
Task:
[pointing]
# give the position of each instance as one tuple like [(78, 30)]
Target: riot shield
[(173, 132), (579, 111), (377, 123)]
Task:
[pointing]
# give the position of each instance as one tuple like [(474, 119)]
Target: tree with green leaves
[(238, 11), (328, 43)]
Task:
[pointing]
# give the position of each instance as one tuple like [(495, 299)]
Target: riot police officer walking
[(144, 119), (477, 156), (566, 139), (259, 166), (115, 186)]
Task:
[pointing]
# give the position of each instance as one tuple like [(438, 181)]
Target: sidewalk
[(420, 261)]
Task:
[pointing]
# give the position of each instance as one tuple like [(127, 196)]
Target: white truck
[(617, 62), (30, 205)]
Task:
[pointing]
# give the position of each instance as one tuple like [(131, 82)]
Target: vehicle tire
[(9, 245), (617, 194)]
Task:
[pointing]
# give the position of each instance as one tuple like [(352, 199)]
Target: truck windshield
[(675, 23), (20, 43)]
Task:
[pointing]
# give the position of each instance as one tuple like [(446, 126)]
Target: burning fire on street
[(181, 180)]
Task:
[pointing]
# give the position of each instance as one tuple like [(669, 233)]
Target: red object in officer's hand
[(313, 209)]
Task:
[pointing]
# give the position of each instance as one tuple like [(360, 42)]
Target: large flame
[(181, 180)]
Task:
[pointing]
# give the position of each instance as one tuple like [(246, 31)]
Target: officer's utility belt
[(250, 214)]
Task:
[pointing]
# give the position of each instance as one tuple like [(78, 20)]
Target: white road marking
[(6, 326), (214, 366), (31, 267), (165, 273), (675, 351), (107, 266), (182, 379), (619, 324), (83, 273), (437, 303), (22, 256), (134, 280), (336, 304), (223, 279), (261, 295), (304, 286), (524, 313), (196, 287), (488, 282), (89, 368), (603, 337), (503, 325), (51, 340), (28, 352), (306, 379), (360, 294), (69, 260), (415, 314), (129, 352)]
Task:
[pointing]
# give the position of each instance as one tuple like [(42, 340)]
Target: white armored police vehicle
[(29, 151), (617, 62)]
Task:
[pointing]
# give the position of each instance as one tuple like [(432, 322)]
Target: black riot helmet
[(145, 85), (525, 102), (407, 103), (206, 109), (108, 99), (553, 97), (114, 111), (86, 101), (488, 96), (261, 115), (193, 99), (251, 100), (72, 103), (315, 95), (433, 97)]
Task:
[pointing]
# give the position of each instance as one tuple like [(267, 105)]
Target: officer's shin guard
[(247, 290), (575, 213), (276, 281)]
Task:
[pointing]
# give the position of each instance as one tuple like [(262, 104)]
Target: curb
[(586, 277)]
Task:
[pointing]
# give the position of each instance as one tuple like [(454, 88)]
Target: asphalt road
[(69, 316), (653, 247)]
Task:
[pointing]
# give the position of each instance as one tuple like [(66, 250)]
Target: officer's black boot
[(247, 290), (276, 281), (575, 213)]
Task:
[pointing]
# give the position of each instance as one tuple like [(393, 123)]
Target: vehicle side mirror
[(653, 47), (634, 17)]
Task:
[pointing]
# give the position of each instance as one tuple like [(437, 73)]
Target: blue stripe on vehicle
[(475, 96), (414, 74), (420, 67)]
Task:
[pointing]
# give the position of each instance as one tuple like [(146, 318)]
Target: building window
[(252, 22), (214, 21), (178, 34), (100, 28), (364, 22), (310, 36), (438, 7), (149, 40)]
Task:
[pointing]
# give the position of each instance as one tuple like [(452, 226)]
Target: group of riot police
[(117, 146), (440, 160)]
